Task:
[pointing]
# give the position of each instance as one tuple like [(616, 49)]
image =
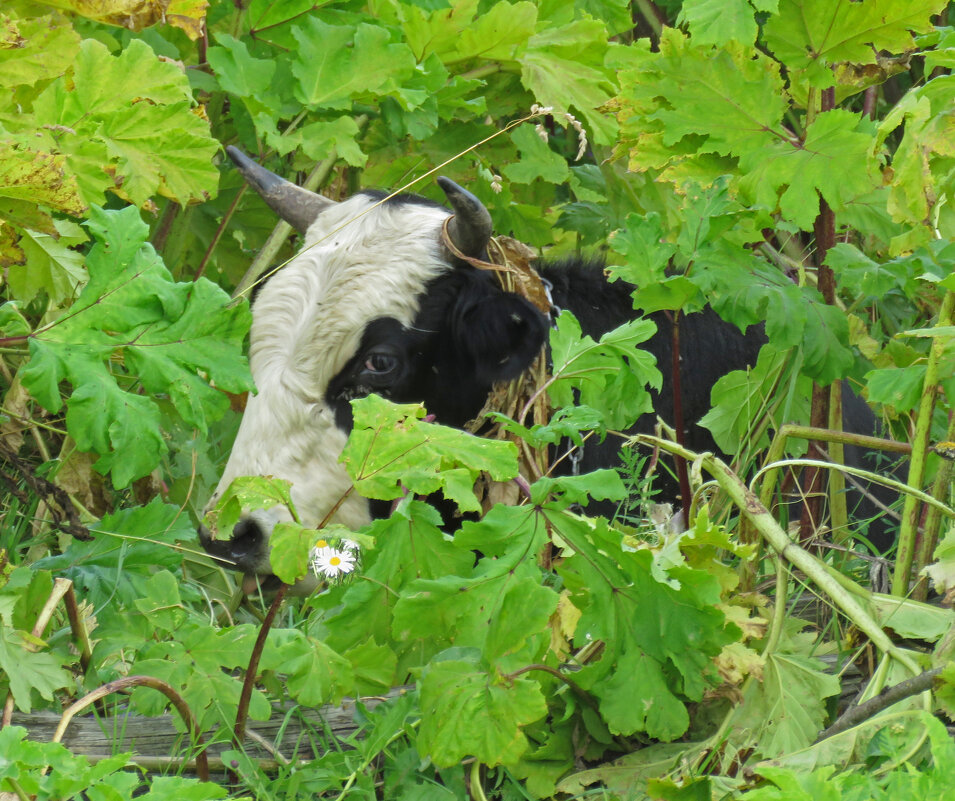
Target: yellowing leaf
[(32, 50), (125, 123), (138, 14), (38, 177)]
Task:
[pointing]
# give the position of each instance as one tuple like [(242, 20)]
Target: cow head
[(373, 302)]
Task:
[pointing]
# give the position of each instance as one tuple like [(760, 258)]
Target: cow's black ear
[(502, 334)]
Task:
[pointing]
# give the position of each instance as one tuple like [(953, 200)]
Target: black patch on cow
[(467, 335)]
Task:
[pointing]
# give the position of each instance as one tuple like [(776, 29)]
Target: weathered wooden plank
[(304, 733)]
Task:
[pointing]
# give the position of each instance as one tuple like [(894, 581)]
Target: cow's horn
[(298, 207), (470, 228)]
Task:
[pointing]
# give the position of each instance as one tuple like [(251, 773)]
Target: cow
[(377, 301)]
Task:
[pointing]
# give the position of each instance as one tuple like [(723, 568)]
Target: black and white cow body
[(374, 302)]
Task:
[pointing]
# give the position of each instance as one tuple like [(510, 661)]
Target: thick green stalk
[(941, 488), (757, 514), (911, 511)]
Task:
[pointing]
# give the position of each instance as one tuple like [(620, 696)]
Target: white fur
[(308, 321)]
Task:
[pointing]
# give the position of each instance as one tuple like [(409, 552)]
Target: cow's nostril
[(246, 538)]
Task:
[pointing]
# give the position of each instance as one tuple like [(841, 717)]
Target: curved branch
[(890, 695), (202, 763)]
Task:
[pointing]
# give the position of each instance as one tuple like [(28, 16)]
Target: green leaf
[(316, 674), (248, 492), (373, 666), (125, 123), (897, 387), (51, 265), (713, 22), (27, 670), (467, 712), (502, 612), (798, 172), (644, 244), (610, 375), (128, 547), (810, 35), (37, 49), (733, 96), (786, 710), (664, 631), (239, 73), (169, 334), (740, 401), (599, 485), (858, 274), (408, 546), (537, 160), (336, 63), (391, 451), (564, 68)]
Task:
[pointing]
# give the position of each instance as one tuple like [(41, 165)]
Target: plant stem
[(242, 711), (933, 517), (202, 764), (226, 218), (891, 695), (750, 506), (920, 443)]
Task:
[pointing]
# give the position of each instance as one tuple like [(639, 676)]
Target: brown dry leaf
[(77, 476), (16, 406), (88, 618), (513, 258)]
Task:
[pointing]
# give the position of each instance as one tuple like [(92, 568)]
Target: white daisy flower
[(330, 562), (349, 545)]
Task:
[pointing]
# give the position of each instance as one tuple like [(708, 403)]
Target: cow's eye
[(381, 363)]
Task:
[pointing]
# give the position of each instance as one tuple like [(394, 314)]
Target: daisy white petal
[(331, 562)]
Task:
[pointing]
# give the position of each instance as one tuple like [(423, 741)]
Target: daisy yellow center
[(335, 561), (321, 544)]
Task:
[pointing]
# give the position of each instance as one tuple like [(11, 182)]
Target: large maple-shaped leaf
[(792, 174), (502, 609), (786, 711), (409, 546), (392, 451), (564, 68), (733, 96), (468, 712), (610, 376), (810, 35), (27, 670), (659, 637), (176, 337), (336, 63), (126, 123)]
